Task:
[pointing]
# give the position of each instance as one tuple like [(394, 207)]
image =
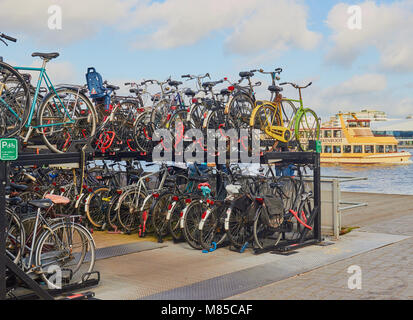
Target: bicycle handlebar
[(8, 37), (295, 85)]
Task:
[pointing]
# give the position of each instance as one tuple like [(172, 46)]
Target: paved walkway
[(387, 273)]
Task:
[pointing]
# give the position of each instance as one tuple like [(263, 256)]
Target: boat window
[(379, 149), (369, 149), (327, 134), (337, 133), (389, 149), (358, 149), (337, 149), (327, 149), (347, 149)]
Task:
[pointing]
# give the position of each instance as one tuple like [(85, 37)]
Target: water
[(388, 179)]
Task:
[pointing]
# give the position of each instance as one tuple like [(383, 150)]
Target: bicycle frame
[(43, 77)]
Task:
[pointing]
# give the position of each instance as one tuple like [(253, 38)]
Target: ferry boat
[(353, 142)]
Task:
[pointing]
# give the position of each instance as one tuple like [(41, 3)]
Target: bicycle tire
[(85, 117), (11, 127), (55, 236)]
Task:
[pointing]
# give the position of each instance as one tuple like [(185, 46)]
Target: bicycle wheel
[(307, 129), (174, 220), (142, 132), (111, 214), (262, 118), (125, 117), (59, 130), (240, 109), (96, 206), (287, 191), (16, 236), (212, 227), (266, 233), (65, 247), (159, 212), (14, 101), (239, 228), (191, 223), (197, 115), (129, 210)]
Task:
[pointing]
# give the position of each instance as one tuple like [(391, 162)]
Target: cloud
[(80, 19), (385, 27), (249, 26), (359, 84), (367, 91)]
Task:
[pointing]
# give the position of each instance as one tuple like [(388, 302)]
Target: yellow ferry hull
[(391, 158)]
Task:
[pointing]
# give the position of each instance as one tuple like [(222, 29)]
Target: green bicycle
[(280, 120)]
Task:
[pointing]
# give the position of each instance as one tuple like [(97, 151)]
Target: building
[(401, 129)]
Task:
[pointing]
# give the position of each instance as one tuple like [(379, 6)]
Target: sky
[(356, 60)]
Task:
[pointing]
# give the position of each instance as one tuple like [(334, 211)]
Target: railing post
[(3, 182)]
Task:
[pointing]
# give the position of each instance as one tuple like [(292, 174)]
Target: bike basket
[(95, 84)]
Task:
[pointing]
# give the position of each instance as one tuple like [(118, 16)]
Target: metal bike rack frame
[(79, 158), (5, 262)]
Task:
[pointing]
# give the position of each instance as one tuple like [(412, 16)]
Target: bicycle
[(65, 116), (281, 121)]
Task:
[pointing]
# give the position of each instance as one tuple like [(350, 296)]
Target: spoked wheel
[(262, 118), (126, 115), (266, 229), (111, 214), (307, 129), (240, 110), (129, 213), (143, 131), (197, 116), (16, 236), (65, 250), (97, 205), (174, 221), (213, 229), (191, 224), (159, 212), (14, 101), (66, 117), (287, 191), (240, 229)]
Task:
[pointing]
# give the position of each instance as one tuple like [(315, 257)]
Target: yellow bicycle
[(283, 125)]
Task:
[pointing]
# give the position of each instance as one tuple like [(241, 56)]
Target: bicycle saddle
[(42, 203), (275, 89), (246, 74), (211, 84), (46, 56), (56, 199), (190, 93), (225, 92), (111, 87), (18, 187), (14, 201), (174, 83), (135, 91)]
